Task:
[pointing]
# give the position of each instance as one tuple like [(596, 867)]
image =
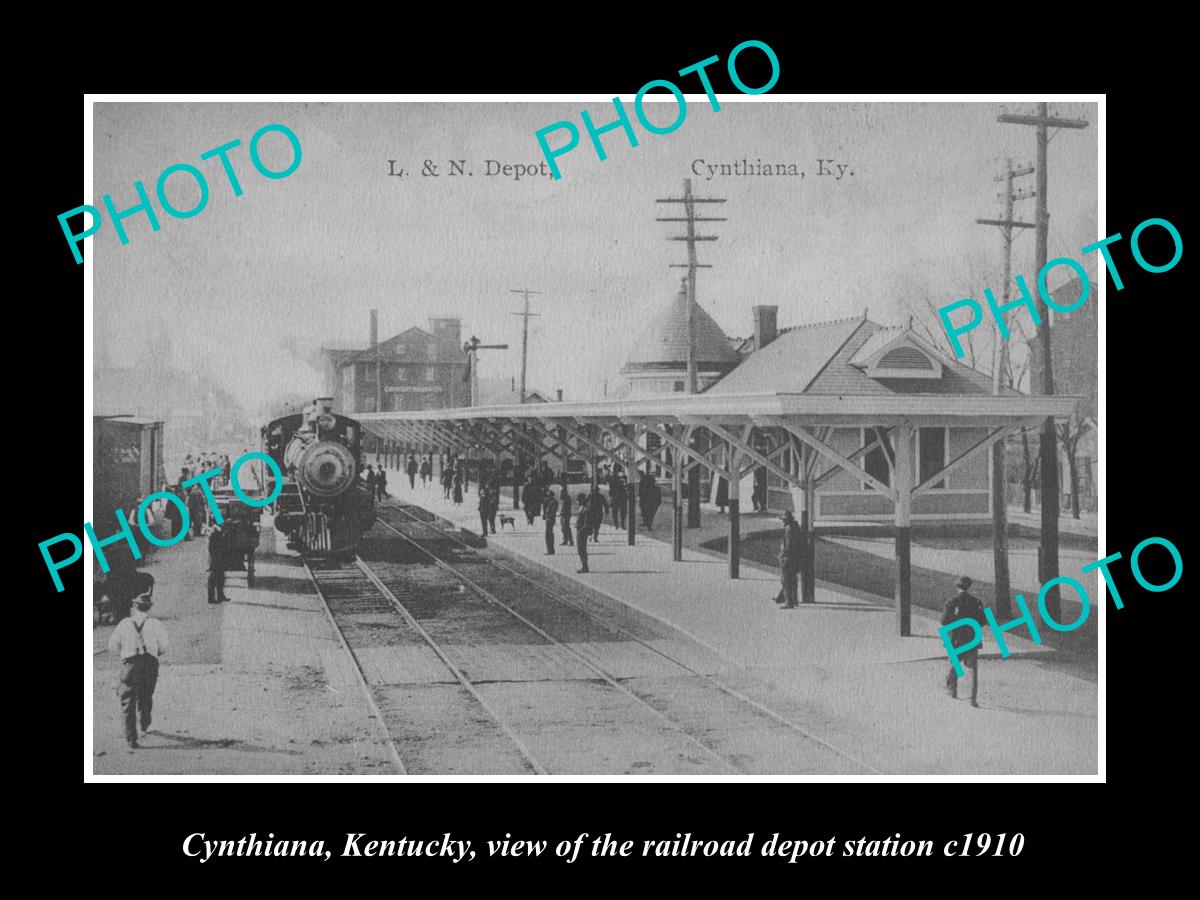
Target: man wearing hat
[(583, 528), (139, 642), (216, 565), (789, 562), (963, 606)]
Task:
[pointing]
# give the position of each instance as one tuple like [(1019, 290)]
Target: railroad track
[(681, 696), (371, 623)]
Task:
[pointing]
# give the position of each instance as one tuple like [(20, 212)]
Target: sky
[(251, 286)]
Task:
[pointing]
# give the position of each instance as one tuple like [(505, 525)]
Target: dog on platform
[(509, 521)]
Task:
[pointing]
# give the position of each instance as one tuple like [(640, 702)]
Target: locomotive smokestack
[(374, 328)]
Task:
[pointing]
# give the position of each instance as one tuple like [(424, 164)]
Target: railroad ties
[(482, 664)]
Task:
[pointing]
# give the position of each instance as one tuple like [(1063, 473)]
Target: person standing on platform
[(457, 481), (722, 495), (550, 514), (597, 508), (583, 526), (964, 606), (426, 471), (564, 513), (493, 504), (759, 494), (531, 499), (411, 469), (370, 479), (789, 562), (447, 481), (617, 498), (650, 498), (139, 641), (197, 509), (485, 509), (216, 565), (380, 484)]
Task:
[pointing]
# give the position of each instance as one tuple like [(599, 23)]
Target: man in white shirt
[(139, 641)]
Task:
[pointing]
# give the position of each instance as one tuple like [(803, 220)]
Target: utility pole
[(1002, 601), (472, 348), (524, 333), (1048, 558), (691, 265)]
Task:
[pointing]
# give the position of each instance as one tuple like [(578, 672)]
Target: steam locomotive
[(324, 506)]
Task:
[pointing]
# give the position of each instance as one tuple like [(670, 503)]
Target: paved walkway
[(841, 656), (259, 685), (1085, 525)]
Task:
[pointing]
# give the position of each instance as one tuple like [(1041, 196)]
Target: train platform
[(840, 657), (257, 686)]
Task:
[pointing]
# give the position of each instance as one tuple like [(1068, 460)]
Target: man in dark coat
[(549, 513), (722, 495), (531, 499), (447, 481), (564, 514), (493, 505), (197, 507), (964, 606), (411, 469), (597, 507), (380, 484), (759, 494), (583, 527), (485, 507), (616, 496), (426, 471), (789, 562), (216, 565), (650, 498)]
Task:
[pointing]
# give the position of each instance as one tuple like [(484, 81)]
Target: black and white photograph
[(432, 445)]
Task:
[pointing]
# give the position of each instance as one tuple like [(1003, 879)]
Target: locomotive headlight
[(326, 421)]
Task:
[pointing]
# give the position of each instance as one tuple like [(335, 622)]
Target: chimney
[(559, 392), (374, 328), (765, 325)]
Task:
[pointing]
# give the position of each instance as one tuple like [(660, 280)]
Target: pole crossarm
[(827, 451), (980, 446)]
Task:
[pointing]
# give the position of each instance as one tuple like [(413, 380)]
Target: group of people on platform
[(376, 481)]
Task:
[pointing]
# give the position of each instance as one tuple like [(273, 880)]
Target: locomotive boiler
[(324, 506)]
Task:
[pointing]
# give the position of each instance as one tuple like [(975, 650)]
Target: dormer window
[(892, 355), (905, 358)]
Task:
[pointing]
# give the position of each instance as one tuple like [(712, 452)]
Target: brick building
[(416, 369)]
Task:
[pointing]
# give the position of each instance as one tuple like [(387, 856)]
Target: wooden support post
[(516, 476), (735, 540), (631, 492), (631, 505), (808, 544), (1002, 599), (693, 492), (904, 473), (677, 509)]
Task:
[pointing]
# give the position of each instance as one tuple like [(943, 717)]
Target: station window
[(931, 451), (875, 461), (430, 373), (678, 386)]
